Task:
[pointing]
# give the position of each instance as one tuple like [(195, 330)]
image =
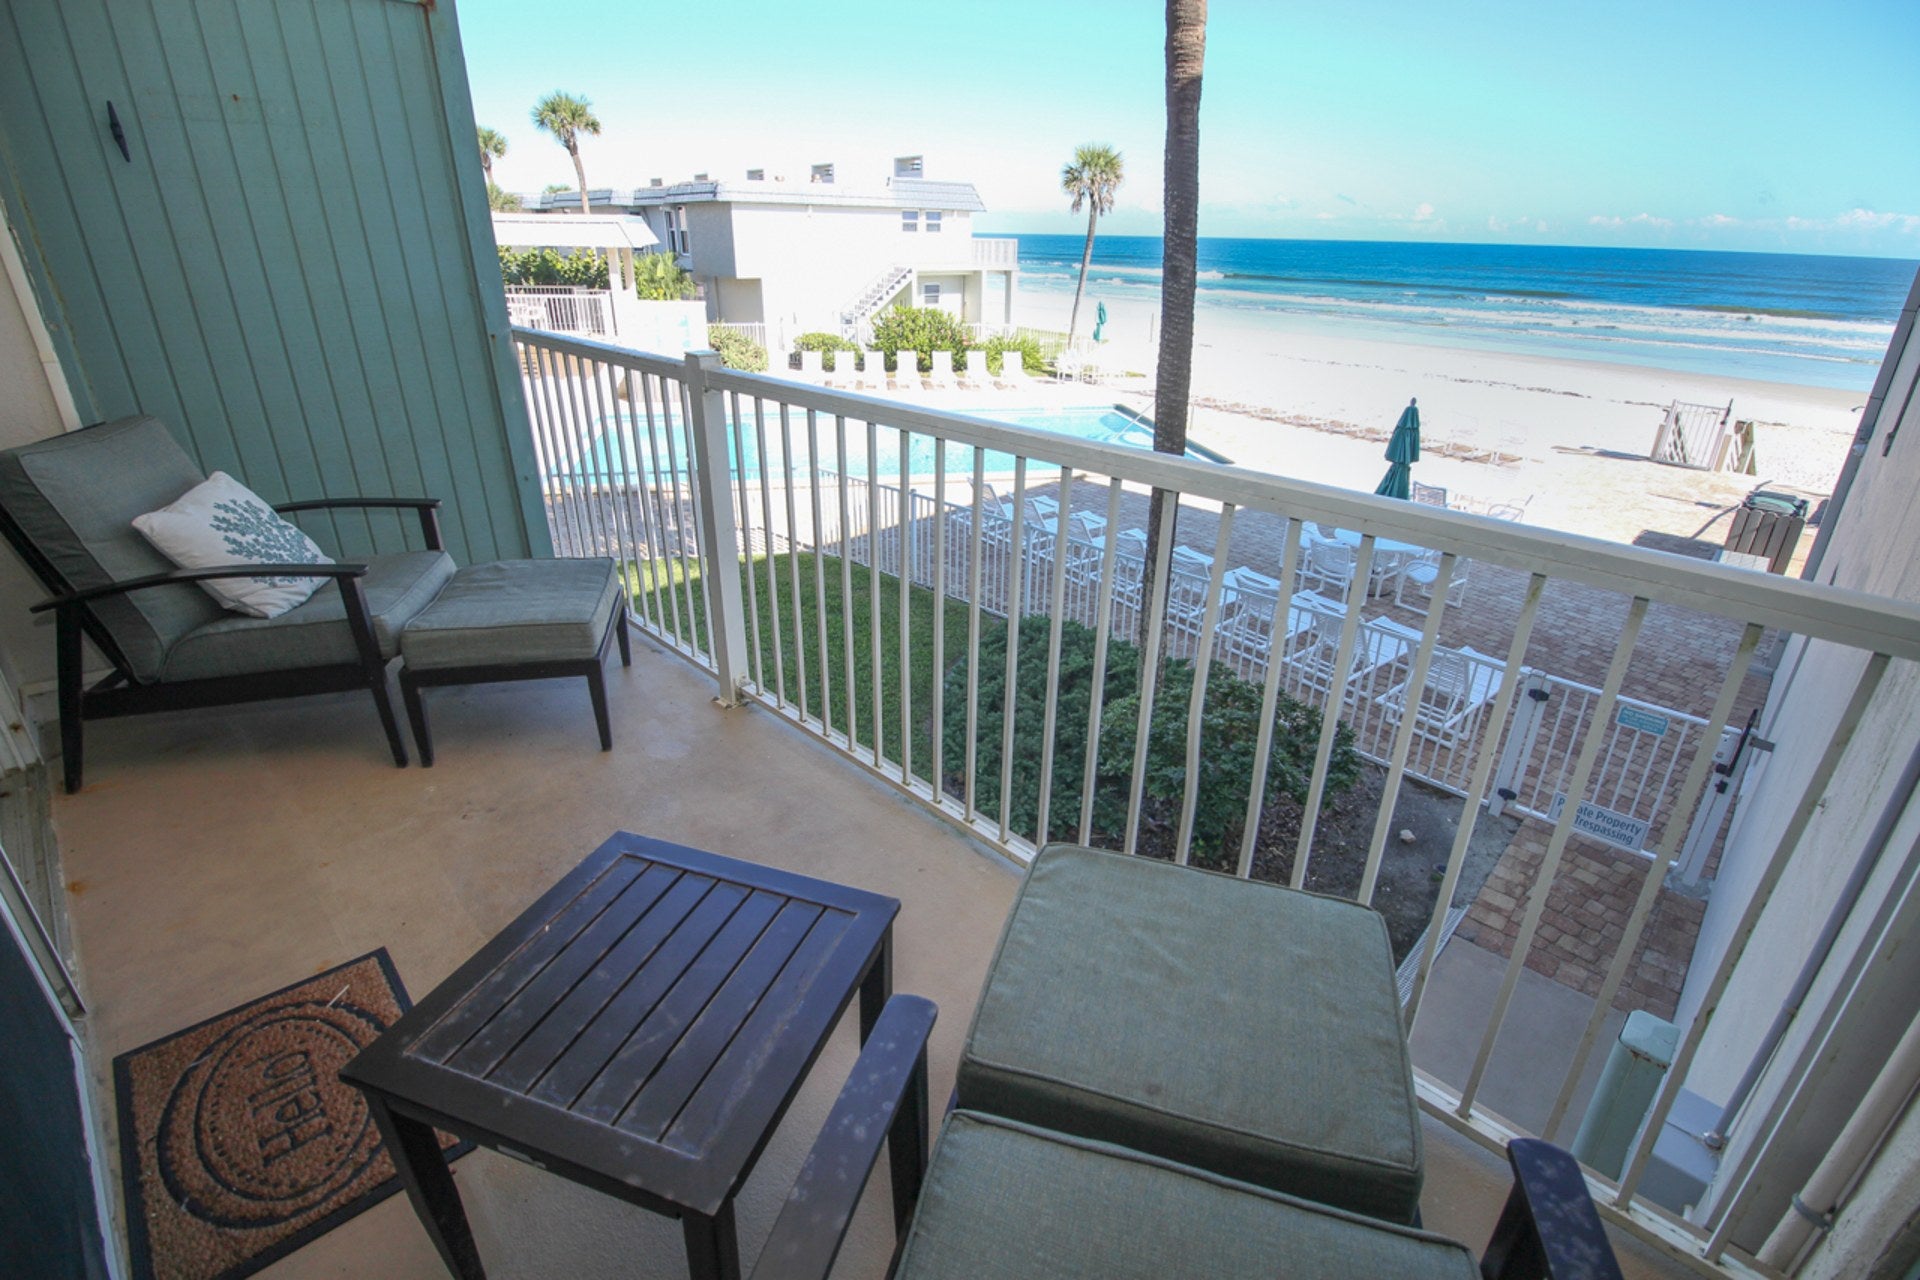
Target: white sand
[(1579, 429)]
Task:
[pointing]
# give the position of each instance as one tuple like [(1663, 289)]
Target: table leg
[(713, 1250), (877, 987), (422, 1166)]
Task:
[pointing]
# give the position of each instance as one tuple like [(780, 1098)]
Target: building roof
[(898, 193), (580, 231)]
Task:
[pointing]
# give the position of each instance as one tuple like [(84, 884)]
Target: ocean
[(1794, 318)]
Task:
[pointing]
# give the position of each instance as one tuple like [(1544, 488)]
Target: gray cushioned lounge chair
[(67, 505)]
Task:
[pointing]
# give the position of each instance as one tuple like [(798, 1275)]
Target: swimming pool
[(625, 454)]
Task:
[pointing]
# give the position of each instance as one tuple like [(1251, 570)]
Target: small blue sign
[(1642, 719)]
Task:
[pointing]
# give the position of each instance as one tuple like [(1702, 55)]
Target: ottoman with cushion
[(1243, 1028), (516, 620)]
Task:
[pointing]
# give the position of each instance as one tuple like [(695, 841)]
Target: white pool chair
[(1460, 685)]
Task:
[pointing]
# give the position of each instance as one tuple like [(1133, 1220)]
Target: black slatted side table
[(640, 1029)]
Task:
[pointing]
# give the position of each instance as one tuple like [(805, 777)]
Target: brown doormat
[(239, 1143)]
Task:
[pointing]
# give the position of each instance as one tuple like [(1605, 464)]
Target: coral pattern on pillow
[(219, 522)]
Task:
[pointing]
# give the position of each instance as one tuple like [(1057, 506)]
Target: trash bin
[(1768, 525)]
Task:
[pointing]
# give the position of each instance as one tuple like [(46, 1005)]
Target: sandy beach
[(1574, 433)]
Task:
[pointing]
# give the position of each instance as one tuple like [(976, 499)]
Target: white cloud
[(1615, 222), (1717, 220), (1423, 212)]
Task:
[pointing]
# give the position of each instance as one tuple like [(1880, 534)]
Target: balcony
[(177, 918)]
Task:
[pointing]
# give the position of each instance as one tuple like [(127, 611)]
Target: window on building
[(677, 230), (823, 173), (933, 220), (909, 219), (756, 175), (929, 295)]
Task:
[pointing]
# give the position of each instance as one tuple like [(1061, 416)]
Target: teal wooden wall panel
[(295, 270)]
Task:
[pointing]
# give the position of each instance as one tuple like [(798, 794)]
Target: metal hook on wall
[(119, 133)]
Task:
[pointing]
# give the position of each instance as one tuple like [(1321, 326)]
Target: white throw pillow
[(220, 521)]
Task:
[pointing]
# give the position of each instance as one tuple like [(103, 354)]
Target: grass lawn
[(815, 573)]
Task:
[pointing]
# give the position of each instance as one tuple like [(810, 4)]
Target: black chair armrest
[(884, 1100), (1549, 1229), (428, 508), (68, 599)]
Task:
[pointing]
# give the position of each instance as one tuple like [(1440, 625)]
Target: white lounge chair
[(942, 375), (874, 373), (1431, 495), (1380, 645), (811, 369), (1461, 683), (1013, 368)]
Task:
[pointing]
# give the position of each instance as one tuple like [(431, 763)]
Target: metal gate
[(1643, 756)]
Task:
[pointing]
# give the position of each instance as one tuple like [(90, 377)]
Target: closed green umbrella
[(1099, 321), (1403, 450)]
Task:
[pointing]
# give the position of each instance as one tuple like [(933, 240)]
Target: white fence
[(769, 528), (561, 309)]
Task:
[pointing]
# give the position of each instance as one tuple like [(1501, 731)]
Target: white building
[(823, 250)]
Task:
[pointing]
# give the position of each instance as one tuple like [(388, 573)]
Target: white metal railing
[(561, 308), (996, 253), (775, 532)]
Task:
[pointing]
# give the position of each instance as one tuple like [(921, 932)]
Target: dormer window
[(909, 220)]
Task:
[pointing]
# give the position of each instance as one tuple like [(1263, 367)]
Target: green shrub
[(1032, 358), (1229, 732), (579, 270), (922, 330), (737, 351), (658, 278), (825, 343)]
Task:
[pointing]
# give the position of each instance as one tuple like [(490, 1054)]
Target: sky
[(1704, 124)]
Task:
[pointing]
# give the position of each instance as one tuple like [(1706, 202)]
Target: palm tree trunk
[(1086, 261), (581, 171), (486, 166), (1186, 52)]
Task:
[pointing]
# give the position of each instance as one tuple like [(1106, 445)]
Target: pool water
[(627, 456)]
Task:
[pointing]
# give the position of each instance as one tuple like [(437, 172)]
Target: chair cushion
[(515, 611), (314, 634), (74, 497), (1244, 1028), (1005, 1199), (220, 522)]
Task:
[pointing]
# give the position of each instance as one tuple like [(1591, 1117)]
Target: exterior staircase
[(882, 287)]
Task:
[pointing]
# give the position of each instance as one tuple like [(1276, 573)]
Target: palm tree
[(566, 118), (493, 145), (1186, 51), (1091, 178)]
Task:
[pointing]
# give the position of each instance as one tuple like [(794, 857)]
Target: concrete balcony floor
[(216, 856)]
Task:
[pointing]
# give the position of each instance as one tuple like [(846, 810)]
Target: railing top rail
[(1837, 614)]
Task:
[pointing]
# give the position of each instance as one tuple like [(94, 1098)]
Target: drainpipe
[(1815, 1207), (1863, 869)]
